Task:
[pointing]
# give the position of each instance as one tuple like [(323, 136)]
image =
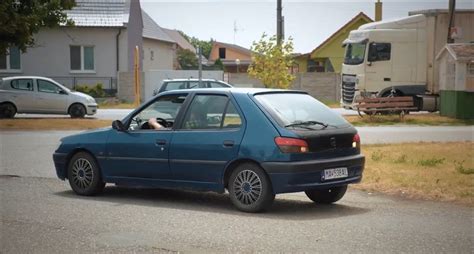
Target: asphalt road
[(40, 214)]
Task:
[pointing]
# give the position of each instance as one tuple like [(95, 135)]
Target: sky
[(308, 22)]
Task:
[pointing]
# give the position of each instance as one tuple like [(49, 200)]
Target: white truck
[(398, 57)]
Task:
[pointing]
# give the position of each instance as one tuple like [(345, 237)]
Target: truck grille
[(348, 90)]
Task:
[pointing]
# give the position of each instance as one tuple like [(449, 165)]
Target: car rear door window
[(216, 85), (175, 86), (211, 112), (22, 84)]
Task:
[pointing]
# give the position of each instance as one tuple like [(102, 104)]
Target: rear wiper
[(306, 123)]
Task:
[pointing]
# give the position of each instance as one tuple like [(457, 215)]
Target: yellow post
[(137, 78)]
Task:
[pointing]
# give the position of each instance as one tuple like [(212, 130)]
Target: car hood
[(98, 134), (83, 96)]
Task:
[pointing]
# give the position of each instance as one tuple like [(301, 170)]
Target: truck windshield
[(355, 53)]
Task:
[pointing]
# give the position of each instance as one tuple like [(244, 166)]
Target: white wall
[(163, 55)]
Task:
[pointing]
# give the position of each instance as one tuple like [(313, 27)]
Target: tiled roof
[(179, 39), (461, 52), (99, 13), (152, 30)]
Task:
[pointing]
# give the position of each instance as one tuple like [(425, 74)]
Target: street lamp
[(237, 62)]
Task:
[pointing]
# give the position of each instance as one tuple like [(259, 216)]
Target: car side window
[(165, 107), (209, 112), (216, 85), (195, 84), (48, 87), (22, 84), (175, 86), (231, 118)]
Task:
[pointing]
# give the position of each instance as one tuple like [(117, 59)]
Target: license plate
[(334, 173)]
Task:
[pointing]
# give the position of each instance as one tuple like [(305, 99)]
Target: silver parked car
[(31, 94), (175, 84)]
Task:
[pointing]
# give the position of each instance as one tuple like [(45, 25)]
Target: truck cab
[(385, 58)]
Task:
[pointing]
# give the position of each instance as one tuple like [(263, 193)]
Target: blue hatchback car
[(253, 142)]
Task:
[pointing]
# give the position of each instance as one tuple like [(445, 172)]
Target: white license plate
[(334, 173)]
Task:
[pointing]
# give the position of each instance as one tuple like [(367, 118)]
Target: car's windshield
[(355, 53), (295, 110)]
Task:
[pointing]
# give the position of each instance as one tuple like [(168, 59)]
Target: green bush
[(96, 91)]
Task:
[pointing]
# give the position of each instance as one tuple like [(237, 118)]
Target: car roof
[(24, 77), (234, 90), (191, 79)]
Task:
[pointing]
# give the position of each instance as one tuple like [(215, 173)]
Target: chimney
[(378, 10)]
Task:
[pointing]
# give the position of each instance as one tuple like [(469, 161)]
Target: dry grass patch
[(414, 119), (432, 171), (53, 124)]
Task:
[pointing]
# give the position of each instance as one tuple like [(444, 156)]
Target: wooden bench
[(371, 106)]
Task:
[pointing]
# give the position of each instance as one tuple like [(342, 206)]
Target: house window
[(222, 53), (11, 60), (82, 58)]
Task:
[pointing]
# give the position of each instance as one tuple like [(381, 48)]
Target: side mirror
[(118, 125), (62, 92)]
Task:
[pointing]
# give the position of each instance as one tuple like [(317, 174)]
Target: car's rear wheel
[(250, 188), (7, 110), (77, 111), (84, 175), (327, 196)]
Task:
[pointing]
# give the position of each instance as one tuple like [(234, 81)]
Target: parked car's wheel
[(250, 189), (77, 111), (84, 175), (327, 196), (7, 110)]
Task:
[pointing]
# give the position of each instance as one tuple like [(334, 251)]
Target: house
[(99, 46), (329, 55), (233, 57), (456, 80), (184, 44)]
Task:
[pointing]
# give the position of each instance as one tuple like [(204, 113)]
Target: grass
[(431, 171), (119, 105), (52, 124), (331, 104), (413, 119)]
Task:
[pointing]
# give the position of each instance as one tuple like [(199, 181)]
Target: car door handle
[(228, 143), (161, 142)]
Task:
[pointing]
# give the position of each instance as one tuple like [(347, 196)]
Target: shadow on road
[(289, 209)]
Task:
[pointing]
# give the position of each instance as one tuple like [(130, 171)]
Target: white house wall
[(157, 55), (51, 55)]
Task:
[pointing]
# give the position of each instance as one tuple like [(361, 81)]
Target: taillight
[(291, 145), (356, 141)]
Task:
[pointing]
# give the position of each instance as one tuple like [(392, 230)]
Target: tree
[(206, 46), (271, 62), (187, 59), (218, 64), (20, 20)]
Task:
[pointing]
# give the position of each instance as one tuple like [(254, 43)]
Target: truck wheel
[(250, 190), (7, 110), (327, 196), (77, 111), (84, 176)]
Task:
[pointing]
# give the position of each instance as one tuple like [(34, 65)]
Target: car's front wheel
[(250, 188), (84, 175), (327, 196), (77, 111), (7, 110)]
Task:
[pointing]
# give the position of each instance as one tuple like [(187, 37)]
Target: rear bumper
[(60, 164), (307, 175)]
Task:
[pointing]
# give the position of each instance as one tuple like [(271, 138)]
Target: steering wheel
[(162, 121)]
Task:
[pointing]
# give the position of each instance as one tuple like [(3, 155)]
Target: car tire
[(7, 110), (77, 111), (327, 196), (84, 175), (250, 189)]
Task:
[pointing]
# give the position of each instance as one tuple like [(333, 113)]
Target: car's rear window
[(293, 108), (175, 86)]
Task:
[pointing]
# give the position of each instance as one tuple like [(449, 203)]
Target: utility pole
[(452, 8), (200, 66), (279, 23)]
